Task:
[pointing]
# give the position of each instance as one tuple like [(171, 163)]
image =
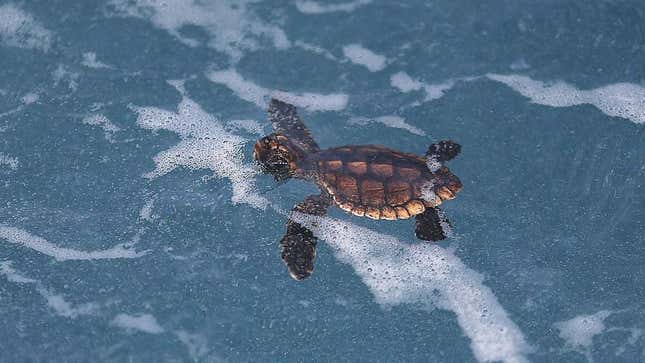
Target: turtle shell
[(374, 181)]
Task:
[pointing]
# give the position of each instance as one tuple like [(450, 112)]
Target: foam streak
[(315, 7), (260, 96), (626, 100), (404, 83), (360, 55), (425, 275), (21, 237), (56, 302), (390, 121), (142, 322)]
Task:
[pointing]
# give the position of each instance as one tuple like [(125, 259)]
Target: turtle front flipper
[(432, 225), (285, 120), (298, 246)]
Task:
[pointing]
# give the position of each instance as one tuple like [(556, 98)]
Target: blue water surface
[(134, 226)]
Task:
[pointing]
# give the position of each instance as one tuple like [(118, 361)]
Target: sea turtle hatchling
[(364, 180)]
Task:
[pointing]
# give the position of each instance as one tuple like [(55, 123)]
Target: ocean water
[(134, 226)]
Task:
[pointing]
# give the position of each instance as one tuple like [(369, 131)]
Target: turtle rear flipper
[(441, 152), (285, 120), (298, 250), (298, 246), (432, 225)]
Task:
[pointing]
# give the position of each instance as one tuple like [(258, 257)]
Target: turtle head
[(446, 184), (276, 156)]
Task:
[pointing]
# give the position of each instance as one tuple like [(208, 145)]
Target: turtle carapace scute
[(365, 180)]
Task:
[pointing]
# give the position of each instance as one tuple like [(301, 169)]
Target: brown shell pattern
[(374, 181)]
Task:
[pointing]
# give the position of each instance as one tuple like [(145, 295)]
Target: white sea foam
[(520, 65), (360, 55), (55, 301), (196, 345), (30, 98), (315, 7), (315, 49), (141, 322), (205, 144), (404, 83), (231, 26), (9, 161), (97, 119), (578, 332), (426, 276), (626, 100), (21, 237), (634, 335), (90, 61), (64, 308), (27, 99), (250, 126), (63, 74), (6, 268), (260, 96), (145, 214), (19, 29), (390, 121)]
